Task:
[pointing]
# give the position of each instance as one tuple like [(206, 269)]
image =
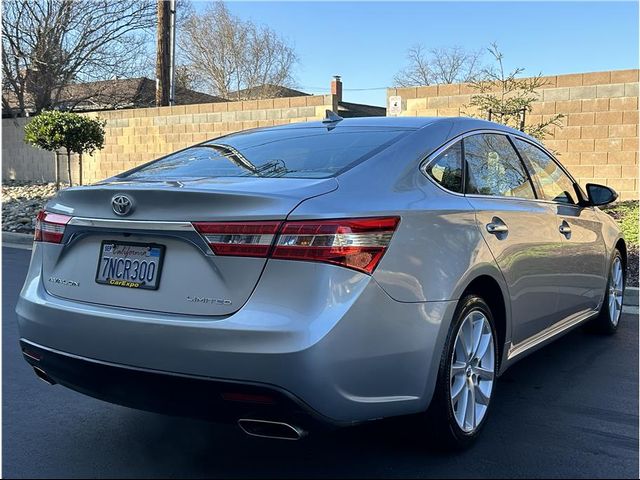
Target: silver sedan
[(320, 274)]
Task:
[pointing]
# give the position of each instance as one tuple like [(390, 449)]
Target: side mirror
[(600, 195)]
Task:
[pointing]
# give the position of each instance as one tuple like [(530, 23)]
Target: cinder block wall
[(19, 160), (139, 135), (598, 141)]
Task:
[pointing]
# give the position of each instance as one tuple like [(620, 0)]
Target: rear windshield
[(314, 152)]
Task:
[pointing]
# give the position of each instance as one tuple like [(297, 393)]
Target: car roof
[(385, 122), (459, 125)]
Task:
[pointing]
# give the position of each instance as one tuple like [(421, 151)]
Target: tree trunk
[(80, 168), (56, 168), (69, 167)]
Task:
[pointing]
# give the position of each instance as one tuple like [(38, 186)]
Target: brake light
[(50, 227), (246, 239), (353, 243)]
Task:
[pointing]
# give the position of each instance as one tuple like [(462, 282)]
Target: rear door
[(583, 263), (520, 231)]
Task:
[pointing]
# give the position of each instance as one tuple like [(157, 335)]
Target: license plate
[(130, 265)]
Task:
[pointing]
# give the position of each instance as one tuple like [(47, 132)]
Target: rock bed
[(21, 203)]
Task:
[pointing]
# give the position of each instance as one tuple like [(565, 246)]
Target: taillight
[(246, 239), (353, 243), (50, 227)]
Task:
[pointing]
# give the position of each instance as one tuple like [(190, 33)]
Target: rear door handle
[(497, 226)]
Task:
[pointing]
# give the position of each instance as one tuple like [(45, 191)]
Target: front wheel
[(467, 374), (609, 318)]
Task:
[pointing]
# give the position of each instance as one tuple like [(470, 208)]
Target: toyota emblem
[(121, 205)]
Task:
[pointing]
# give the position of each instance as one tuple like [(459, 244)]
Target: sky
[(366, 42)]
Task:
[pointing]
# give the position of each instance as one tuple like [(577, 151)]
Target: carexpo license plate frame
[(111, 260)]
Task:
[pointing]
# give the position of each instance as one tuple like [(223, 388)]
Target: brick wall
[(139, 135), (598, 141)]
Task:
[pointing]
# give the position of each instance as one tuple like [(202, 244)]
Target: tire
[(454, 426), (608, 319)]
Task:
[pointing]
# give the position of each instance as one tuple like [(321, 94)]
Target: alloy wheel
[(472, 371), (616, 287)]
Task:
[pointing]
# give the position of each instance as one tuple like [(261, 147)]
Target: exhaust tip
[(42, 375), (270, 429)]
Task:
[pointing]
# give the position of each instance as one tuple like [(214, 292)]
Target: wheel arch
[(493, 293), (621, 245)]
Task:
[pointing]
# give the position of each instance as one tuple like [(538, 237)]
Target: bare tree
[(227, 54), (439, 65), (48, 45), (505, 98), (184, 78)]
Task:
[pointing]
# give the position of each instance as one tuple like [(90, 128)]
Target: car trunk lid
[(193, 280)]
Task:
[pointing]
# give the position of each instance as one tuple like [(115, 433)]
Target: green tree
[(504, 98), (53, 130)]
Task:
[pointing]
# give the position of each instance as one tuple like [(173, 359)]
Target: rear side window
[(494, 168), (314, 152), (555, 184), (446, 168)]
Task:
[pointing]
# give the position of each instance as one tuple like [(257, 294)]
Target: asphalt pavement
[(568, 410)]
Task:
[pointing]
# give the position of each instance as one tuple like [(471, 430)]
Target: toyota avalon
[(323, 273)]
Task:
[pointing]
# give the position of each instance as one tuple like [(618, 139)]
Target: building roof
[(265, 91), (114, 94), (350, 110)]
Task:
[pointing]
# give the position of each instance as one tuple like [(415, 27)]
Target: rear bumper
[(330, 337), (170, 393)]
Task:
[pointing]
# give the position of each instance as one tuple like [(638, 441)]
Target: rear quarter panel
[(437, 249)]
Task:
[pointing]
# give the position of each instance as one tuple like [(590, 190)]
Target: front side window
[(554, 182), (310, 152), (446, 168), (494, 168)]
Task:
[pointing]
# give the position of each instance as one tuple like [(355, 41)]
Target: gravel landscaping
[(22, 201)]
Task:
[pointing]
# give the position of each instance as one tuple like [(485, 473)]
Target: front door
[(583, 263)]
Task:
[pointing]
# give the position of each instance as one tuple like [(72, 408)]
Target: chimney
[(336, 87)]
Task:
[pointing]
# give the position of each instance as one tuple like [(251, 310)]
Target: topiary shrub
[(53, 130)]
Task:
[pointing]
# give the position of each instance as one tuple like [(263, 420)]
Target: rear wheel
[(609, 318), (466, 378)]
